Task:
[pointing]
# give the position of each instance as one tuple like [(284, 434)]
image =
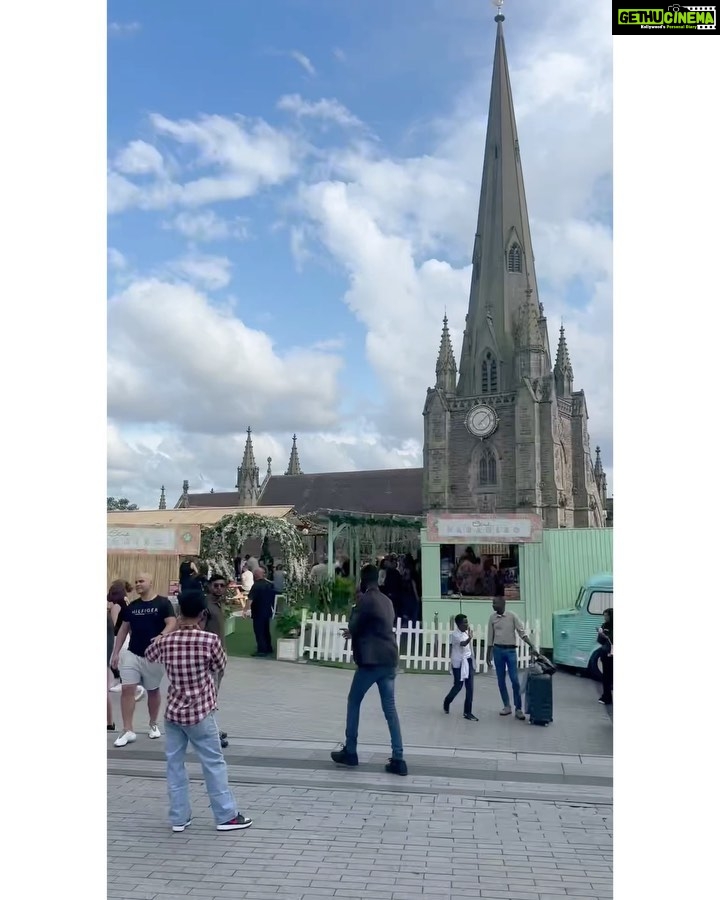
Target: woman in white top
[(463, 666)]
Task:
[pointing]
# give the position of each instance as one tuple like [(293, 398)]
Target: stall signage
[(159, 539), (458, 528)]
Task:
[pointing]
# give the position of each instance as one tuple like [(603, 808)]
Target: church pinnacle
[(294, 461), (445, 367), (563, 367), (163, 503), (248, 483)]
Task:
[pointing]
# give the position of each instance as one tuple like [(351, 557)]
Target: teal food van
[(575, 630)]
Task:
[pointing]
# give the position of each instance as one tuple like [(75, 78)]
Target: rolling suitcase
[(538, 692)]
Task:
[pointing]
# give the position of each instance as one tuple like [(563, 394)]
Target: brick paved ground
[(310, 843), (496, 810), (264, 699)]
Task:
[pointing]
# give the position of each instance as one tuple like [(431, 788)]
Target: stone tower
[(510, 436), (294, 461), (163, 502), (248, 476)]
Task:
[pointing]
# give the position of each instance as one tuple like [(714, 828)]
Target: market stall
[(155, 541)]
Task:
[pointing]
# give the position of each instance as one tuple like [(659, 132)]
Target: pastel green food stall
[(551, 565)]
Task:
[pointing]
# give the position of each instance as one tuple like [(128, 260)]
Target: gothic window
[(488, 469), (489, 381), (514, 260)]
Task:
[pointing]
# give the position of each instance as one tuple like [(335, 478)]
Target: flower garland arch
[(220, 543)]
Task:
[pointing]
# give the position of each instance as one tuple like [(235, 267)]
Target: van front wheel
[(594, 669)]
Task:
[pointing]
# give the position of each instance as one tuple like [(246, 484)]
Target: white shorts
[(138, 670)]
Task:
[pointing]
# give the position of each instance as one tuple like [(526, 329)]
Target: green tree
[(120, 503)]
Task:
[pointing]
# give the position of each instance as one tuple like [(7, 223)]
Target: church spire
[(503, 266), (294, 461), (445, 367), (563, 368), (248, 483), (600, 478), (163, 504)]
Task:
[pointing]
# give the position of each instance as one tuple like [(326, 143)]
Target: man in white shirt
[(463, 666)]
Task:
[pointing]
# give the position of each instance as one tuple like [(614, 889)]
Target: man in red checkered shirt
[(191, 656)]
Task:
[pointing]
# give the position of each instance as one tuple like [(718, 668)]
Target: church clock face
[(481, 421)]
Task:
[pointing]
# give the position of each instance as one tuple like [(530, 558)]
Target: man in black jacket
[(262, 605), (376, 656)]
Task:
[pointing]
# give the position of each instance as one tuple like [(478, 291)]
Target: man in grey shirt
[(502, 653)]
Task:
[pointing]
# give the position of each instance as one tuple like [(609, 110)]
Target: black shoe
[(470, 717), (396, 767), (223, 735), (224, 743), (446, 707), (111, 727), (343, 758)]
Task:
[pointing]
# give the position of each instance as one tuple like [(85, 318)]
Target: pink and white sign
[(461, 528)]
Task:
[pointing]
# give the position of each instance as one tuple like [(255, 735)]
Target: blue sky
[(292, 194)]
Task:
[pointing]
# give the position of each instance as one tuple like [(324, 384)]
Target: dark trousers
[(607, 679), (261, 627), (458, 686)]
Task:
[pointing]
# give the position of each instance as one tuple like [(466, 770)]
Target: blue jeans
[(205, 741), (365, 678), (503, 659)]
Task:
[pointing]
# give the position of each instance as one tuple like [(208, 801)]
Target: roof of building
[(397, 491), (191, 516)]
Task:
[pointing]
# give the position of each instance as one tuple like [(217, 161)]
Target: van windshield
[(599, 602)]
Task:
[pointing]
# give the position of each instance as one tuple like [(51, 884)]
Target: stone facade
[(537, 459)]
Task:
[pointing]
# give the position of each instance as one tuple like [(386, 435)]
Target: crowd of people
[(148, 639)]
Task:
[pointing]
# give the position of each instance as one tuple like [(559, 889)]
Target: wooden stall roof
[(191, 516)]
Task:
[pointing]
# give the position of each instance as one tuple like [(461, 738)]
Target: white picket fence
[(426, 645)]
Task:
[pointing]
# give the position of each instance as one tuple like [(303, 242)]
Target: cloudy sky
[(292, 195)]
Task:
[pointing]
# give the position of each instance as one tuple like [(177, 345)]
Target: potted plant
[(287, 626)]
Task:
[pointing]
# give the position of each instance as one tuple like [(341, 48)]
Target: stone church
[(507, 432)]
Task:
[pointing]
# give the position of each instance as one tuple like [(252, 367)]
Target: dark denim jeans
[(458, 685), (365, 678), (503, 659)]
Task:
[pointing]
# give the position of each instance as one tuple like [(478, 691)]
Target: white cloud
[(326, 110), (139, 158), (209, 272), (207, 226), (303, 61), (119, 29), (244, 155), (175, 359), (116, 260), (340, 54)]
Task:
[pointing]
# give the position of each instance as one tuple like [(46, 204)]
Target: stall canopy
[(365, 535)]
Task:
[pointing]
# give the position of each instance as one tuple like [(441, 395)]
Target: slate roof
[(396, 491)]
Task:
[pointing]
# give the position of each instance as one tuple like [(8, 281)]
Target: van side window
[(599, 602)]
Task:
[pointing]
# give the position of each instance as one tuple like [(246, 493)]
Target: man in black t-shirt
[(144, 620)]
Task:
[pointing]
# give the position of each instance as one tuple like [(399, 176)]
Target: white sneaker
[(116, 688), (139, 692), (127, 737), (154, 732)]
